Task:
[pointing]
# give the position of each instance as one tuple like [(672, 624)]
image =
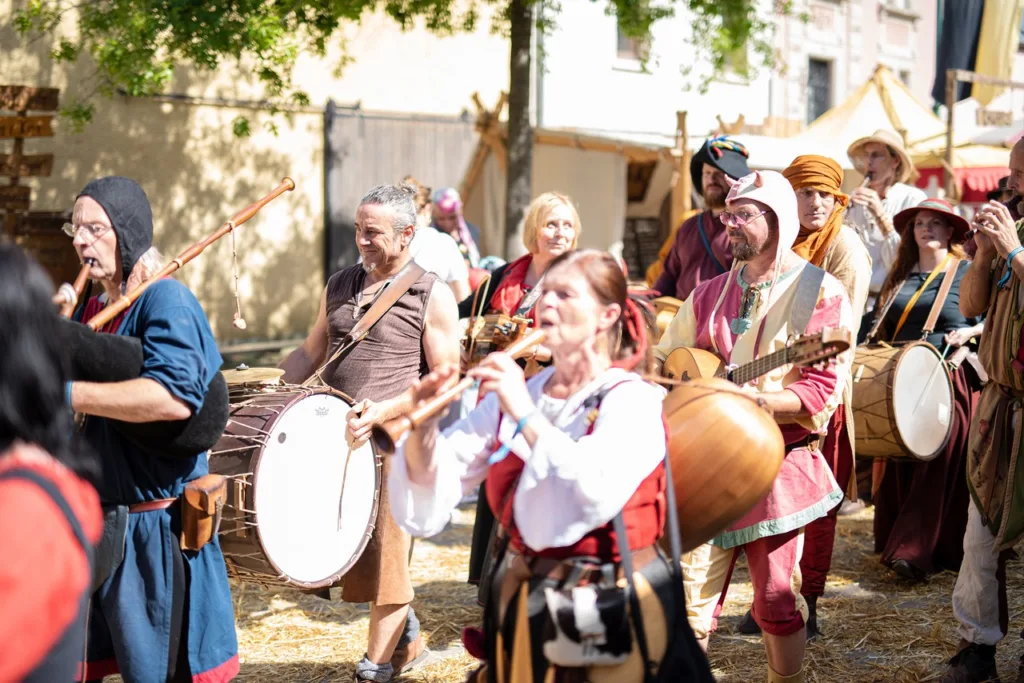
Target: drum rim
[(891, 408), (301, 393)]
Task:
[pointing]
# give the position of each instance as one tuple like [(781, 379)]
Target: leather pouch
[(202, 504)]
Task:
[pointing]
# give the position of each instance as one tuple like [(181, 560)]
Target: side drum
[(302, 504), (902, 401)]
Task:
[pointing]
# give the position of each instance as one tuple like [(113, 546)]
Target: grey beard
[(743, 252), (368, 267)]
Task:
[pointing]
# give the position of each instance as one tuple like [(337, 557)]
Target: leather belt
[(150, 505), (560, 569), (811, 442)]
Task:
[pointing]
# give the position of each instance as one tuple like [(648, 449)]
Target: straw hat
[(893, 141), (905, 218)]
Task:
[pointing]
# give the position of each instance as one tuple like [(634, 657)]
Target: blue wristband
[(503, 452), (1005, 279), (67, 393)]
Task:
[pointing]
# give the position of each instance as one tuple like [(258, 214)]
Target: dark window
[(627, 47), (819, 88)]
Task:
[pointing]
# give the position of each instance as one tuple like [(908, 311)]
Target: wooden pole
[(951, 80), (682, 186)]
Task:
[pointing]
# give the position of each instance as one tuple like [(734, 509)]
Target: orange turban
[(823, 174)]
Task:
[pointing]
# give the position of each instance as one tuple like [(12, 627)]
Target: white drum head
[(922, 402), (313, 496)]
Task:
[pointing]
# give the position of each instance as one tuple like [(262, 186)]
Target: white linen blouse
[(572, 482)]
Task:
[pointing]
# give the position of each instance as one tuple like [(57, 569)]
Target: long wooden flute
[(385, 436), (112, 311), (67, 296)]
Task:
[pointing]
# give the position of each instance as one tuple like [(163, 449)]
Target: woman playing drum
[(552, 449), (921, 507), (550, 229)]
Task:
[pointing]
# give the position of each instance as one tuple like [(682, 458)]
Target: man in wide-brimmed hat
[(700, 248), (881, 158)]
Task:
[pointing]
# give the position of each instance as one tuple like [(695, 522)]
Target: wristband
[(67, 394), (503, 452), (1005, 279)]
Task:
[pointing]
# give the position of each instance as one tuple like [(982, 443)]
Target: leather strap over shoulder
[(400, 284), (940, 298), (806, 298)]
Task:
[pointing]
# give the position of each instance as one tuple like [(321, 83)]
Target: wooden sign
[(985, 117), (43, 223), (30, 165), (15, 197), (26, 127), (24, 98)]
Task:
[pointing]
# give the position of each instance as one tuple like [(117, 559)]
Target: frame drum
[(902, 401), (301, 504)]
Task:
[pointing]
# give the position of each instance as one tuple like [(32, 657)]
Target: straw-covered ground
[(877, 628)]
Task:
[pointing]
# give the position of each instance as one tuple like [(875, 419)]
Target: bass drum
[(902, 401), (301, 504)]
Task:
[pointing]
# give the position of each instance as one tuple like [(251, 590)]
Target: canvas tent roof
[(882, 102)]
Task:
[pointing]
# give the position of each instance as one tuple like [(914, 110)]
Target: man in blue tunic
[(163, 614)]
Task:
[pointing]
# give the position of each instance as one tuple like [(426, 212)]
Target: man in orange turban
[(827, 243)]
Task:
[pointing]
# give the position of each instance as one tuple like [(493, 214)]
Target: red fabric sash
[(512, 288)]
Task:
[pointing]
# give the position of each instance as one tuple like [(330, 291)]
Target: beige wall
[(197, 174)]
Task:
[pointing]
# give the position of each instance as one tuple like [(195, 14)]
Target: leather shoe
[(973, 664)]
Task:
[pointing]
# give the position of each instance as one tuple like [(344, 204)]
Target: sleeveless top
[(643, 515), (391, 357)]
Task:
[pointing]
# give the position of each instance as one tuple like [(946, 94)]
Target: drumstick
[(931, 379)]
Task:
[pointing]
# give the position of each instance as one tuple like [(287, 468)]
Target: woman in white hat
[(880, 157)]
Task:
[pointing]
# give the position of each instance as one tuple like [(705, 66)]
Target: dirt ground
[(878, 628)]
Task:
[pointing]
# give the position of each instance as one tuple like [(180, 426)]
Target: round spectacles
[(737, 220), (94, 230)]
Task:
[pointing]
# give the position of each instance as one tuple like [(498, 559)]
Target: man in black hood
[(700, 248), (149, 590)]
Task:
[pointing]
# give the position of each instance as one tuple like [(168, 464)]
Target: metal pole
[(951, 81)]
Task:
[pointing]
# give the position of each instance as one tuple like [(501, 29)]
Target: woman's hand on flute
[(498, 373)]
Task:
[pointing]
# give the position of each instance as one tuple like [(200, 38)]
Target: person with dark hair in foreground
[(50, 515)]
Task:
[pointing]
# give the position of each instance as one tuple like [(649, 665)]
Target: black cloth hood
[(725, 154), (129, 212)]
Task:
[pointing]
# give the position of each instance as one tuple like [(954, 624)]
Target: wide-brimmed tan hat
[(893, 141)]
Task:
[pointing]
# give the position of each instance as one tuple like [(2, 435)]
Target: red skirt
[(921, 507)]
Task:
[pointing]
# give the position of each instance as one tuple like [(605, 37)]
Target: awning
[(973, 183)]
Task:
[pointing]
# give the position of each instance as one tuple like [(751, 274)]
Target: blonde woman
[(550, 229)]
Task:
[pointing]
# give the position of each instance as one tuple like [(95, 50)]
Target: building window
[(628, 48), (819, 88)]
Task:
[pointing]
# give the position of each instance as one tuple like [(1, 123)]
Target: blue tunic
[(131, 616)]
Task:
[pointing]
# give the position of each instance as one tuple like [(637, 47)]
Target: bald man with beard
[(995, 474)]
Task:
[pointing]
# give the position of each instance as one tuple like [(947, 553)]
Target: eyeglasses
[(738, 220), (94, 230)]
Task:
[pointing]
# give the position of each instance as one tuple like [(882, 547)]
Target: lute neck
[(760, 366)]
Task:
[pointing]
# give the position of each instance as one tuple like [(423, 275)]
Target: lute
[(687, 363)]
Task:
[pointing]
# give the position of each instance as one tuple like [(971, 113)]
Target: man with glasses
[(700, 248), (161, 614), (769, 295)]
